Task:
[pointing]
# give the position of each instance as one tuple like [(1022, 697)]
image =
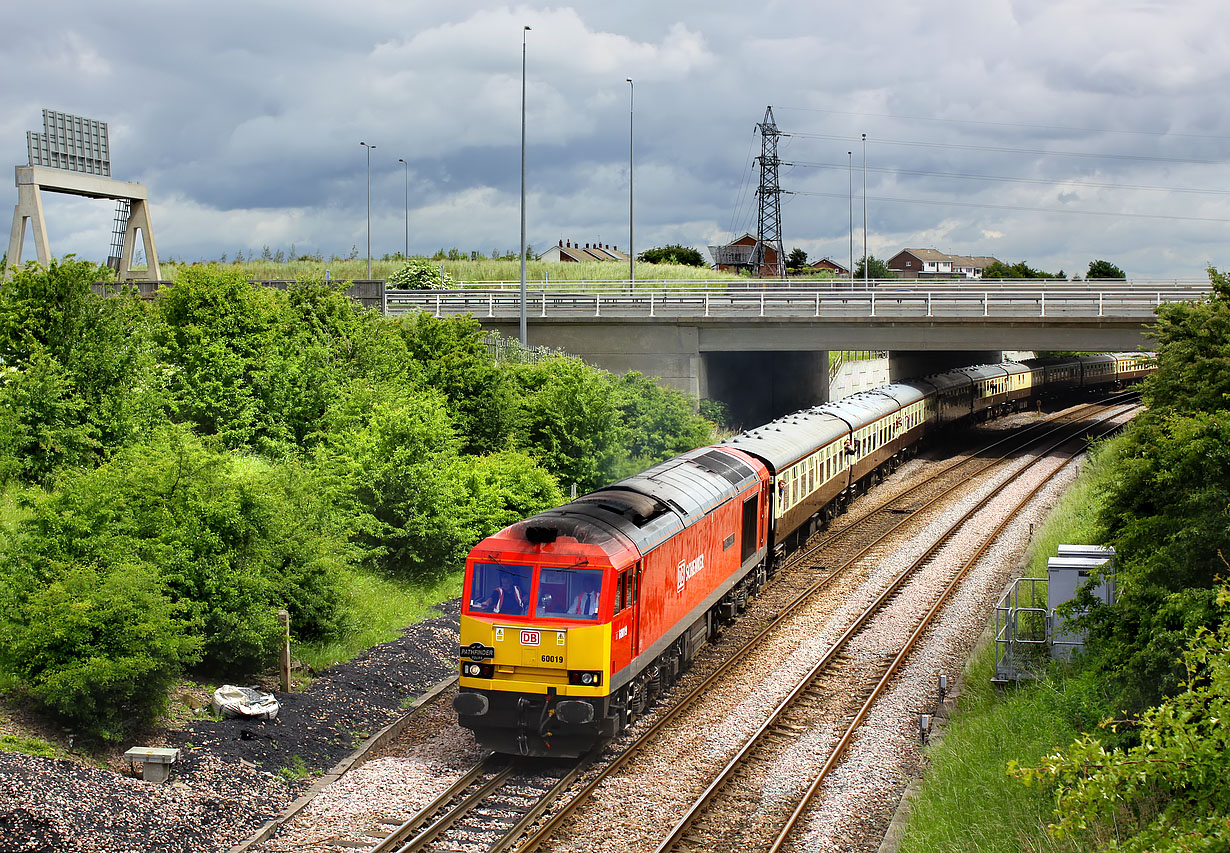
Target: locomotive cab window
[(570, 593), (500, 588)]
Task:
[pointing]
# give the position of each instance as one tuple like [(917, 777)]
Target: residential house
[(737, 255), (932, 263), (567, 253), (830, 265)]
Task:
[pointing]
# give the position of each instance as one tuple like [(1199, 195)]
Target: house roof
[(979, 261)]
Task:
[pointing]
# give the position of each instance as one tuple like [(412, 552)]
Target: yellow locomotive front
[(535, 643)]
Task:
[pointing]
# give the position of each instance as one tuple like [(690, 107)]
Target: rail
[(798, 304)]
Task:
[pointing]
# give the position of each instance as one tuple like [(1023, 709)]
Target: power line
[(1012, 124), (1015, 180), (936, 202), (958, 147)]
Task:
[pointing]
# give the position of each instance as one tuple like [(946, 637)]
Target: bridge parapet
[(1082, 300)]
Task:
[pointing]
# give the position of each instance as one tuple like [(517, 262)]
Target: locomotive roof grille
[(637, 508), (733, 470)]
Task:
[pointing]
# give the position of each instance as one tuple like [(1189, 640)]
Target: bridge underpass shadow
[(760, 386)]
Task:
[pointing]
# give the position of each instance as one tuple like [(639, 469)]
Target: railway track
[(486, 805), (498, 806), (712, 681), (706, 824)]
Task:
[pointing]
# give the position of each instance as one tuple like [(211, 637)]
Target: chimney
[(561, 244)]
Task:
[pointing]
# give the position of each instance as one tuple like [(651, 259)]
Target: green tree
[(1104, 269), (875, 267), (673, 253), (796, 260), (416, 504), (99, 349), (1169, 792), (323, 342), (998, 269), (230, 539), (451, 355), (98, 647), (43, 423), (387, 449), (1167, 512), (218, 331), (571, 420), (659, 422)]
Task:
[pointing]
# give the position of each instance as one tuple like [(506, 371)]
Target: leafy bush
[(415, 502), (98, 647), (1171, 792), (421, 274), (230, 541), (673, 254)]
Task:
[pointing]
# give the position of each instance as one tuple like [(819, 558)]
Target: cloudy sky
[(1043, 131)]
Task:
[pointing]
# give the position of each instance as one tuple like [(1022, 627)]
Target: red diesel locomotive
[(576, 617)]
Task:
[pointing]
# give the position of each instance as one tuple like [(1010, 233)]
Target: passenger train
[(574, 619)]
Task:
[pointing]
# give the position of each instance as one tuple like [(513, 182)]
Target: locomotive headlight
[(473, 669), (587, 678)]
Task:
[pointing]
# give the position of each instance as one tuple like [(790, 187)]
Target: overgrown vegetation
[(1146, 761), (174, 472), (465, 269)]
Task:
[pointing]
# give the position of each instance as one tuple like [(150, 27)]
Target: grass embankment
[(485, 270), (380, 608), (968, 801)]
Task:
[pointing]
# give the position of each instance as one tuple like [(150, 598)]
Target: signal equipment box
[(1067, 572)]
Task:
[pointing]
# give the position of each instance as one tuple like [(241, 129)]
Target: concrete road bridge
[(763, 347)]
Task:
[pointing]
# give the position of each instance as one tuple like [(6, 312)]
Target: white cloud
[(244, 121)]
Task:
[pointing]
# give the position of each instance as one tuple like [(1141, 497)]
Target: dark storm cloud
[(244, 121)]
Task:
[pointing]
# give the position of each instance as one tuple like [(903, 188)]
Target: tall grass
[(538, 273), (968, 801), (379, 607)]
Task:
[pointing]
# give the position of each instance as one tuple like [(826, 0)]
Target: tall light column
[(407, 165), (523, 333), (850, 175), (866, 260), (369, 208), (631, 245)]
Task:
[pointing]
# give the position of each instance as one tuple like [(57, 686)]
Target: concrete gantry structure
[(32, 180), (73, 155), (765, 352)]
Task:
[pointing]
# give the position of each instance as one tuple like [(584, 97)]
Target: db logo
[(531, 638)]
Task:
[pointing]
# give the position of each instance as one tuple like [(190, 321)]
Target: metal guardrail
[(796, 303)]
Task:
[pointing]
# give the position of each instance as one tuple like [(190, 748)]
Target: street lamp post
[(407, 165), (369, 208), (866, 261), (850, 175), (631, 245), (523, 331)]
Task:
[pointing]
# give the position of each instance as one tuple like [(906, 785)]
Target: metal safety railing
[(799, 304), (1022, 631)]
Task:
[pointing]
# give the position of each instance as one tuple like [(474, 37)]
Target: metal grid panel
[(70, 142)]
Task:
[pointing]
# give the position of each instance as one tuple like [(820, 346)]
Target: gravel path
[(225, 785)]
